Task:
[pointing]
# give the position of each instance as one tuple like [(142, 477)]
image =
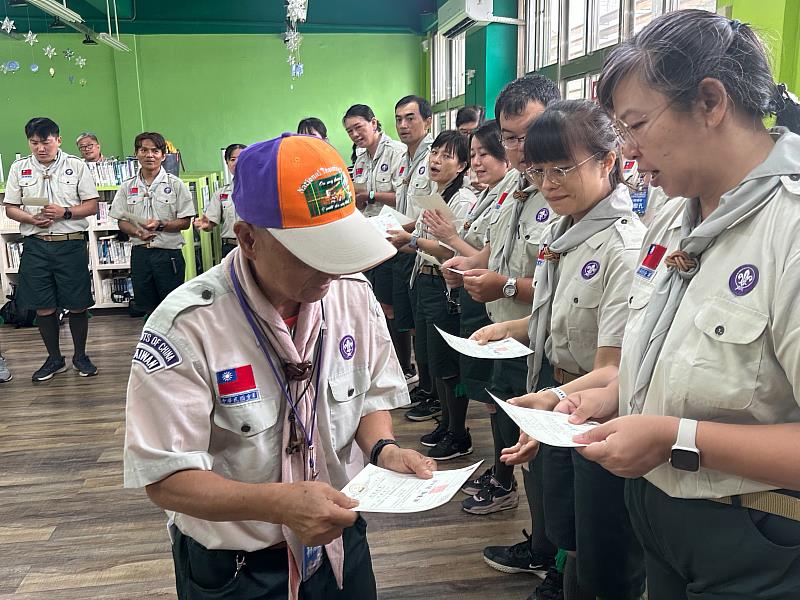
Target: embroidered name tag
[(237, 385), (155, 353)]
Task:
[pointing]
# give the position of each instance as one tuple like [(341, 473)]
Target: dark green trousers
[(202, 574), (155, 273)]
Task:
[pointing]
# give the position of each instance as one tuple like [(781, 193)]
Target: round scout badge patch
[(542, 215), (384, 167), (167, 190), (743, 280), (422, 170), (590, 269), (347, 347), (68, 172)]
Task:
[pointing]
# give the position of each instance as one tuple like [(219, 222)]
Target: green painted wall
[(204, 91)]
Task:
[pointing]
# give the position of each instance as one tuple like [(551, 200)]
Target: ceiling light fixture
[(110, 40), (52, 7)]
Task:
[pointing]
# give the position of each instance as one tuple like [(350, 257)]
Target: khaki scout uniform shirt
[(222, 212), (66, 182), (590, 302), (176, 419), (731, 354), (415, 182), (534, 215), (380, 173), (494, 199), (166, 199)]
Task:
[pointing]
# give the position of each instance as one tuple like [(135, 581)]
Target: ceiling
[(238, 16)]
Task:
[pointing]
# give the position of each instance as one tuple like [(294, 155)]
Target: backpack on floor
[(13, 314)]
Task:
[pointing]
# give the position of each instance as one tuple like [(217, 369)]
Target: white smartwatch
[(684, 455), (510, 287)]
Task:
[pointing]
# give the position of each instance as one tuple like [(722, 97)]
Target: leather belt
[(562, 377), (775, 503), (59, 237), (430, 270), (231, 241)]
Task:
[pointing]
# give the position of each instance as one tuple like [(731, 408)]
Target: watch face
[(685, 460), (509, 289)]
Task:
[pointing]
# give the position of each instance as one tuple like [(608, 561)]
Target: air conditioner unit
[(457, 16)]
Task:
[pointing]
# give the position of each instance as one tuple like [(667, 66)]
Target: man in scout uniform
[(153, 208), (243, 428), (51, 193), (89, 147)]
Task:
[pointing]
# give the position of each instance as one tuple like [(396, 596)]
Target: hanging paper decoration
[(296, 12), (34, 68), (69, 53), (3, 68), (12, 66), (31, 38), (52, 72), (8, 25), (80, 61), (50, 51), (82, 82)]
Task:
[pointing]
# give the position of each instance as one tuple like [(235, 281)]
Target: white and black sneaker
[(425, 411), (451, 446), (412, 377), (418, 396), (53, 365)]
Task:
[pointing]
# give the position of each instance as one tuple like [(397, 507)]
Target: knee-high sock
[(502, 472), (48, 329), (402, 346), (573, 591), (425, 382), (458, 408), (532, 476), (444, 397), (79, 327)]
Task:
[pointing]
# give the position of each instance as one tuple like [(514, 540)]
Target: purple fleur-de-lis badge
[(743, 280)]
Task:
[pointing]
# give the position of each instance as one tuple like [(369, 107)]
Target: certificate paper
[(35, 201), (435, 202), (400, 217), (385, 223), (383, 491), (429, 258), (551, 428), (507, 348)]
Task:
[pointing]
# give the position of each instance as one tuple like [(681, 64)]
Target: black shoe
[(418, 396), (474, 486), (425, 411), (552, 588), (434, 437), (84, 366), (412, 378), (517, 558), (492, 498), (451, 446), (50, 367)]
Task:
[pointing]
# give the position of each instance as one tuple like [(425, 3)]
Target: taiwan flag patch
[(237, 385), (134, 191), (26, 172), (223, 196), (651, 261), (360, 171), (501, 199), (402, 170)]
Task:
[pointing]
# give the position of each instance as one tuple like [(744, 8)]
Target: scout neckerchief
[(563, 236), (298, 378), (149, 189), (48, 172), (421, 154), (379, 152), (735, 206), (524, 191), (485, 201)]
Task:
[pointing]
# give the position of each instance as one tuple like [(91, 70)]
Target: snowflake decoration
[(80, 61), (49, 51), (8, 25), (3, 68), (293, 39), (69, 53), (297, 10), (31, 38)]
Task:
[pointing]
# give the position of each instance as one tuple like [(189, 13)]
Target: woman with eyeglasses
[(437, 303), (580, 306)]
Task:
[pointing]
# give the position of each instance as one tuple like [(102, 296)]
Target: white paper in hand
[(385, 223), (551, 428), (435, 202), (400, 217), (383, 491), (429, 258), (35, 201), (507, 348)]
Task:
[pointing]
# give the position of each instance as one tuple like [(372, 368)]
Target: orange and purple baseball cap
[(298, 188)]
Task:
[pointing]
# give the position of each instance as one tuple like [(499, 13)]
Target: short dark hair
[(309, 125), (569, 126), (424, 106), (230, 149), (469, 114), (157, 139), (514, 98), (360, 110), (677, 50), (454, 141), (41, 127), (489, 136)]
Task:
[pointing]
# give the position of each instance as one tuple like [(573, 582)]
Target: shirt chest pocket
[(250, 418), (730, 339), (164, 204), (134, 198), (348, 391), (29, 186), (583, 303), (383, 179)]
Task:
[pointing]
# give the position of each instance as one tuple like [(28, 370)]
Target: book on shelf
[(103, 217), (116, 289), (113, 171), (13, 254), (6, 222), (110, 251)]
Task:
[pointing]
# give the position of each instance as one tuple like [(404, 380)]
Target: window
[(709, 5), (575, 89), (543, 35), (448, 60), (439, 68), (439, 123), (606, 23), (577, 28), (458, 54), (645, 11)]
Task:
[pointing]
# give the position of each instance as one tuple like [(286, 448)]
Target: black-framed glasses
[(513, 142), (555, 175)]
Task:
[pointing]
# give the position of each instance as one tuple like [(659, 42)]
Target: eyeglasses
[(513, 142), (626, 133), (86, 147), (555, 175)]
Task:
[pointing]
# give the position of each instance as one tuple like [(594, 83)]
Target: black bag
[(13, 314)]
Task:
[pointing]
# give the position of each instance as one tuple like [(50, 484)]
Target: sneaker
[(412, 377), (492, 498), (418, 396), (50, 367), (552, 588), (517, 558), (434, 437), (5, 374), (474, 486), (84, 366), (425, 411), (451, 446)]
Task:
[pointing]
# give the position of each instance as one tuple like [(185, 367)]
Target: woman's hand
[(440, 226)]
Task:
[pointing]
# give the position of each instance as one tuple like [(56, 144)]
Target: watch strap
[(378, 448), (687, 433)]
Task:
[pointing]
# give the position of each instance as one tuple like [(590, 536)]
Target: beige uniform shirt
[(222, 212), (535, 214), (166, 199), (415, 182), (66, 182), (380, 173), (498, 197), (731, 354), (590, 304), (176, 419)]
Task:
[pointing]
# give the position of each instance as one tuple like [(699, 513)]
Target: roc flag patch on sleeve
[(651, 261), (237, 385)]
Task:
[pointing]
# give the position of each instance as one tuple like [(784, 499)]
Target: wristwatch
[(67, 214), (684, 455), (414, 240), (510, 287), (371, 197), (161, 226)]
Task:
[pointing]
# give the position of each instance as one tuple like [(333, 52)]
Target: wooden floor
[(69, 531)]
